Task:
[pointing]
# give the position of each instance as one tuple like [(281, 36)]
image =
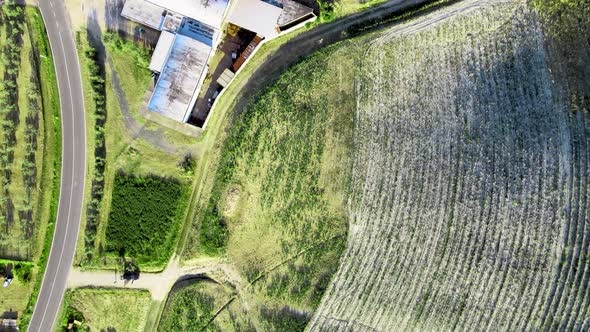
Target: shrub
[(23, 272), (143, 217)]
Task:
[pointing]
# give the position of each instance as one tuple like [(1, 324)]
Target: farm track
[(470, 182)]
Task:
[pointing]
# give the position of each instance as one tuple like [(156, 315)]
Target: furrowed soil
[(456, 146), (469, 199)]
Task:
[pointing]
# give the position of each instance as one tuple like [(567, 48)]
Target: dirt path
[(159, 284)]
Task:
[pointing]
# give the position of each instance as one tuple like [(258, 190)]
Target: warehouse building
[(190, 32)]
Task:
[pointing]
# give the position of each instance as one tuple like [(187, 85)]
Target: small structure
[(190, 30), (247, 52), (210, 12), (181, 76), (144, 12), (161, 51), (225, 77), (8, 324), (268, 18)]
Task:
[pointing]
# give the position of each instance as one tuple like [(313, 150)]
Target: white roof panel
[(143, 12), (255, 15), (161, 51), (180, 77), (207, 11)]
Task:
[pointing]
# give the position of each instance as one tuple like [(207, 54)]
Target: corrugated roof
[(182, 74), (293, 11), (207, 11), (161, 51), (143, 12), (255, 15)]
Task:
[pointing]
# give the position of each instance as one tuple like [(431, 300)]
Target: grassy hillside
[(276, 209), (470, 179), (456, 148), (191, 307)]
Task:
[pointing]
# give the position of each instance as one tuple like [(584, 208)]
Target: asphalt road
[(71, 194), (67, 67)]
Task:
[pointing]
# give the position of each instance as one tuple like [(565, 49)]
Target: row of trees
[(13, 21), (97, 83), (28, 164)]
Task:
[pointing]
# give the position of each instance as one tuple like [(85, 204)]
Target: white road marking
[(72, 182)]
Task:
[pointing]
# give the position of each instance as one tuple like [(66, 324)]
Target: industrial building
[(190, 33)]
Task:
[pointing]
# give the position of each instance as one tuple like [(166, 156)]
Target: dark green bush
[(143, 217)]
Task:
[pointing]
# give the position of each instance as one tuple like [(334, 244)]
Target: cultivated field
[(29, 155), (27, 148), (469, 196)]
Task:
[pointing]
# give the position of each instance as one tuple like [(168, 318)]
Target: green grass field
[(107, 309), (276, 208), (125, 150), (192, 307)]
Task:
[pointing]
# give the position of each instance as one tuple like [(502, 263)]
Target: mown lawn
[(102, 309)]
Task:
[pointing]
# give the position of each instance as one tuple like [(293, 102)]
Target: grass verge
[(102, 309), (52, 152)]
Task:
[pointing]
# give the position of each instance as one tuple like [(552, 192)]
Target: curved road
[(67, 68), (73, 165)]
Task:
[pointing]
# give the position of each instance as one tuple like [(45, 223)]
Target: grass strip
[(51, 115)]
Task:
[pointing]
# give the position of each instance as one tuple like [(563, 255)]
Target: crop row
[(470, 185), (97, 84), (18, 196)]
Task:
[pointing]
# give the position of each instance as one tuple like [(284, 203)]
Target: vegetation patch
[(277, 206), (131, 64), (30, 155), (131, 143), (95, 69), (193, 305), (145, 216), (98, 309)]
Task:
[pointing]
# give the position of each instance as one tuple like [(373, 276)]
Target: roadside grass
[(36, 68), (107, 309), (124, 151)]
